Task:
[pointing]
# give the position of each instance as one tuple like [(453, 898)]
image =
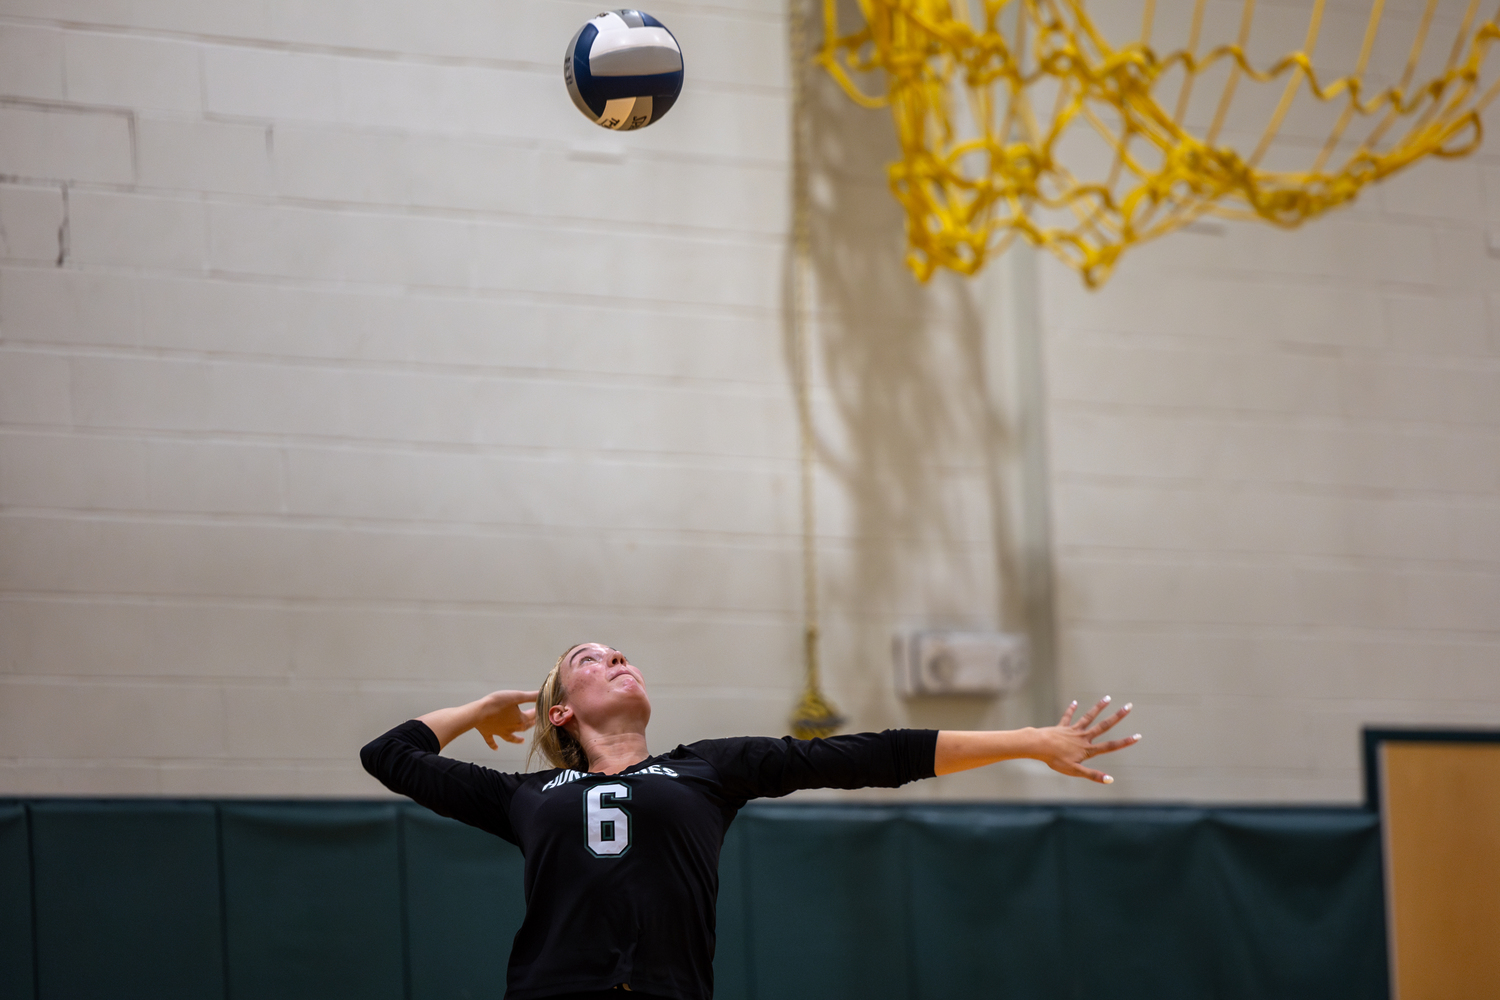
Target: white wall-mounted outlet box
[(977, 664)]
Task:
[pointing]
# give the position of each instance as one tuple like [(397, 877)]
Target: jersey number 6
[(608, 824)]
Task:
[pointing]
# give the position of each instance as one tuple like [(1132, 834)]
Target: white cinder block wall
[(1276, 474), (346, 371)]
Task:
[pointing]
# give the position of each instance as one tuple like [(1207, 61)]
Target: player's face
[(604, 687)]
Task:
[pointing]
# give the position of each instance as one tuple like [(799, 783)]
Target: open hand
[(1068, 744), (501, 714)]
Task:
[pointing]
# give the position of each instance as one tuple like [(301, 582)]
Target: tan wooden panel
[(1442, 827)]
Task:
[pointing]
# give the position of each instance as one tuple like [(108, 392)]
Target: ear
[(559, 715)]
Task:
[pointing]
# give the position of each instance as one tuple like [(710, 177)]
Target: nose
[(616, 659)]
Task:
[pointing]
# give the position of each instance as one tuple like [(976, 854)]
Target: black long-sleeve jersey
[(622, 870)]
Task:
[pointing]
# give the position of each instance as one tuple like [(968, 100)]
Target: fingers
[(515, 697), (1113, 745), (1067, 714), (490, 740), (1079, 771), (1093, 713), (1109, 723)]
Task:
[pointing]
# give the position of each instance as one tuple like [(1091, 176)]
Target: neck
[(612, 753)]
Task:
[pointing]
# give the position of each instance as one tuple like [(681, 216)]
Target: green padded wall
[(385, 901), (313, 901), (732, 956), (1136, 904), (15, 903), (464, 906), (986, 914), (821, 894), (127, 900), (1299, 909)]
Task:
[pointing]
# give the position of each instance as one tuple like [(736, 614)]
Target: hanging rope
[(814, 715), (971, 184)]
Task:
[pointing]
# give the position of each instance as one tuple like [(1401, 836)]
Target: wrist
[(1033, 743)]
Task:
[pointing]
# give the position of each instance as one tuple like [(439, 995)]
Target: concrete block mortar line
[(1263, 274), (520, 142), (1094, 331), (1084, 336), (719, 234), (715, 461), (319, 685), (1290, 420), (832, 541), (633, 458), (682, 308), (379, 54), (380, 286), (503, 610), (63, 231), (477, 372), (605, 534), (1205, 557), (1303, 631), (65, 107), (665, 538), (1275, 629), (133, 132), (519, 611), (1274, 488), (226, 762)]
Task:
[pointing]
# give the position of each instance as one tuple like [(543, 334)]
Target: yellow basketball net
[(1086, 145)]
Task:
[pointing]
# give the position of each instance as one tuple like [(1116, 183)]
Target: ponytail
[(560, 747)]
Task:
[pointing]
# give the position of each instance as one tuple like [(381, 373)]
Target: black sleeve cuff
[(916, 753), (420, 735), (378, 755)]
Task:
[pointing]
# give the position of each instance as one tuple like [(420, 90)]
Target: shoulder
[(735, 755), (729, 746)]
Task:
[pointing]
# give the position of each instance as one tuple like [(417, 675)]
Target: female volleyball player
[(622, 847)]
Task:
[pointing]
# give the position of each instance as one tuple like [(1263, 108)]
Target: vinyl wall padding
[(16, 952), (313, 901), (284, 900), (464, 906), (126, 899)]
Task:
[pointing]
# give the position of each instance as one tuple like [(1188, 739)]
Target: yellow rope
[(814, 715), (969, 187)]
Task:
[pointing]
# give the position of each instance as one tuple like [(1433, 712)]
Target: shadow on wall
[(907, 433)]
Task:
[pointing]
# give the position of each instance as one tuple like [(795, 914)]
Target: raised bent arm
[(498, 713), (1063, 747)]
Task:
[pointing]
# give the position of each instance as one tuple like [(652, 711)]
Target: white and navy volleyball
[(623, 69)]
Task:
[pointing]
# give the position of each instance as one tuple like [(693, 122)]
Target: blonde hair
[(560, 747)]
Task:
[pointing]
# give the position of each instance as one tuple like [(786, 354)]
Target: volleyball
[(623, 70)]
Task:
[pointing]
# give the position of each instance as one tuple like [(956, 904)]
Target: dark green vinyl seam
[(36, 950), (223, 896), (405, 909)]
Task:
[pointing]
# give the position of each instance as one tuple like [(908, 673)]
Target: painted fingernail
[(1108, 780), (1136, 736), (1129, 706), (1105, 698)]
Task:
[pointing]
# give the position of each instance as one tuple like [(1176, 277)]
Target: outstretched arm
[(498, 713), (1063, 747)]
